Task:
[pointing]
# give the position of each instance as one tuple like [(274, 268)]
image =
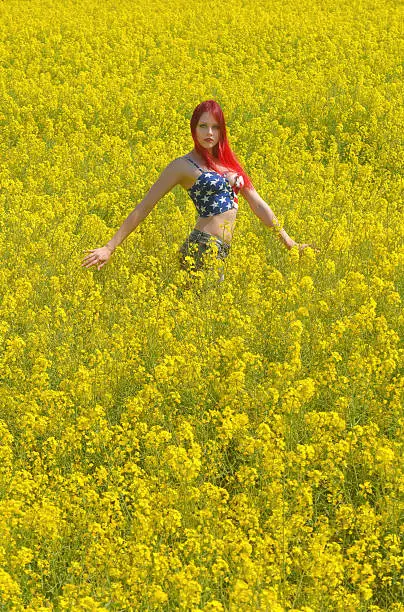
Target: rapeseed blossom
[(165, 443)]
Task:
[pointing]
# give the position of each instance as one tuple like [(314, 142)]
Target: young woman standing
[(213, 178)]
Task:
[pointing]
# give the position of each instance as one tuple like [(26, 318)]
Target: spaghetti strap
[(192, 162)]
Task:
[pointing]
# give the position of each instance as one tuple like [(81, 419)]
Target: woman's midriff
[(221, 225)]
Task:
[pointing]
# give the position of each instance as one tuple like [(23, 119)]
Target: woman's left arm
[(267, 216)]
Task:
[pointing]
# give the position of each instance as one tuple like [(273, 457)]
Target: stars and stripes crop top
[(212, 193)]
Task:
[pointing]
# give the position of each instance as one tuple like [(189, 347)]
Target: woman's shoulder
[(178, 165), (188, 163), (181, 161), (183, 170), (184, 161)]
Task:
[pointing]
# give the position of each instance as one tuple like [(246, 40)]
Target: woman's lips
[(209, 139)]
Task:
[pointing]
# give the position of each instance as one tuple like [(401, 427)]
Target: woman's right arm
[(170, 176)]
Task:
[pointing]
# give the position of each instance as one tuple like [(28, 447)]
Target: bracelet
[(109, 248)]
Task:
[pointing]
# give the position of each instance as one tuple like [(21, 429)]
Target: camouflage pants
[(196, 246)]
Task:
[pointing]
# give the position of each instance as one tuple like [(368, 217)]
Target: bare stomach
[(221, 225)]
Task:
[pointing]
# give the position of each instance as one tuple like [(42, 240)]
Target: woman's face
[(207, 131)]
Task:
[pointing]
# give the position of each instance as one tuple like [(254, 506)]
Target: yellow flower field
[(167, 442)]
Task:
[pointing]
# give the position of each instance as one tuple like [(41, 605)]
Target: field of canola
[(167, 445)]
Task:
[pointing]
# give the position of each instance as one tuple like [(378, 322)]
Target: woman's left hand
[(301, 247)]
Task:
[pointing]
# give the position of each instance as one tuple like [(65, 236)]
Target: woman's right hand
[(97, 257)]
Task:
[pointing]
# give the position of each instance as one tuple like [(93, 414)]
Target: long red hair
[(222, 151)]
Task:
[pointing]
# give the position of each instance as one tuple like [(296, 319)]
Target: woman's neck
[(195, 153)]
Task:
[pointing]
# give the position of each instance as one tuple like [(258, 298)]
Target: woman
[(213, 177)]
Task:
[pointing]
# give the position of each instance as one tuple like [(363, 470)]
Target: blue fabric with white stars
[(212, 193)]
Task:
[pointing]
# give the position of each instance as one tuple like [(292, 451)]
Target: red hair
[(222, 151)]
